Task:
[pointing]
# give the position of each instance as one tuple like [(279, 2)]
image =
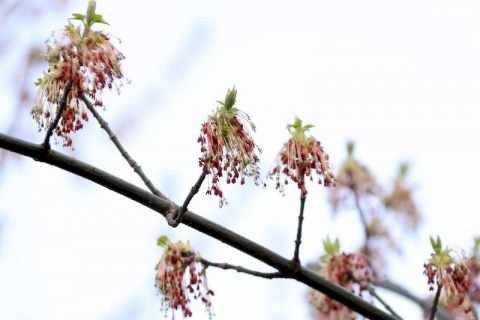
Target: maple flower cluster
[(176, 284), (452, 276), (352, 176), (85, 58), (400, 200), (227, 146), (300, 156), (348, 270)]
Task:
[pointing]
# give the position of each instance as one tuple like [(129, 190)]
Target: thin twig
[(63, 104), (227, 266), (298, 241), (383, 302), (435, 302), (174, 221), (104, 125)]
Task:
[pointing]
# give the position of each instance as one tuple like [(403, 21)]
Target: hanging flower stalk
[(452, 277), (300, 156), (227, 147), (80, 60), (176, 284), (348, 270)]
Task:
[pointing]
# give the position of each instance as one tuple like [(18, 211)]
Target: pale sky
[(402, 79)]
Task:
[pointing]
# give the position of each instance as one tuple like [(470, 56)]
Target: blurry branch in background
[(374, 294), (196, 222), (425, 304), (358, 188)]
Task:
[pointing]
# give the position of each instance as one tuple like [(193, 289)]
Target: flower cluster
[(171, 278), (227, 146), (347, 270), (400, 200), (452, 276), (300, 156), (88, 61), (352, 177), (473, 264), (357, 187)]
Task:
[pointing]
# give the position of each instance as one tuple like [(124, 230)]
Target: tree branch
[(194, 221), (104, 125), (374, 294), (240, 269), (425, 304), (298, 241), (63, 104), (435, 302), (363, 219), (174, 220)]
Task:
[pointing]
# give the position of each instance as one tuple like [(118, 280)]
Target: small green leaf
[(432, 242), (331, 248), (163, 241), (336, 245), (97, 18), (231, 113), (297, 130), (403, 170), (78, 16), (230, 98), (436, 244), (476, 245), (350, 147)]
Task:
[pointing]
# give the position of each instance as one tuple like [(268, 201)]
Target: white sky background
[(402, 79)]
